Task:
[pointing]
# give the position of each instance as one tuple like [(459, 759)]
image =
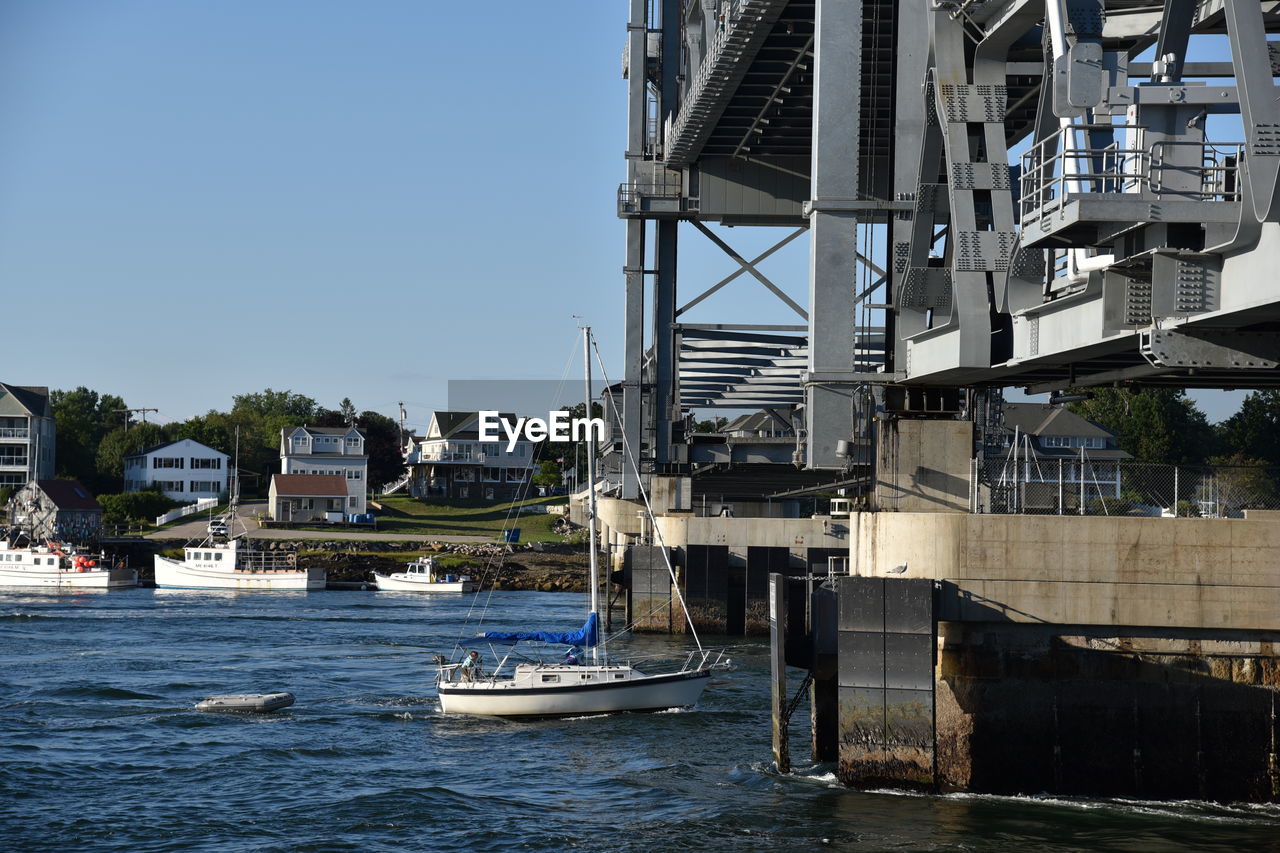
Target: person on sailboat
[(573, 656), (471, 666)]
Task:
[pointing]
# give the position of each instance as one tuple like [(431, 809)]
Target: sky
[(340, 199)]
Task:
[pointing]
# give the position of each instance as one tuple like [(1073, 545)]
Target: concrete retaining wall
[(1190, 572)]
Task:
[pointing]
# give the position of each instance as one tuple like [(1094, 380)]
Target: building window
[(351, 502), (205, 464), (166, 462), (354, 474)]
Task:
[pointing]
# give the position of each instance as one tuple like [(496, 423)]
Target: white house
[(27, 435), (184, 470), (452, 461), (328, 450)]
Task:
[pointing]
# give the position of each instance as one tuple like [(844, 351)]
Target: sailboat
[(572, 686)]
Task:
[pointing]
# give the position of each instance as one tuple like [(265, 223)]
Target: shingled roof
[(310, 485), (69, 495)]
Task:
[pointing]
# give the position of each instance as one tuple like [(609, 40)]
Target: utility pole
[(128, 411)]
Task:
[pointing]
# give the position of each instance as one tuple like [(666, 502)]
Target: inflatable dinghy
[(255, 702)]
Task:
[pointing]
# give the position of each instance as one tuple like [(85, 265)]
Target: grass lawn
[(440, 517)]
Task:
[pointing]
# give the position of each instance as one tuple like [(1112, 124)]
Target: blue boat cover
[(585, 636)]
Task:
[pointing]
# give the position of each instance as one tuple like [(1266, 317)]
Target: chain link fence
[(1061, 486)]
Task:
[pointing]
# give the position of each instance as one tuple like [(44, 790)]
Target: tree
[(1239, 482), (569, 454), (1252, 431), (548, 474), (121, 442), (82, 418), (347, 411), (134, 506), (261, 417), (1153, 425), (711, 425), (383, 445), (271, 403)]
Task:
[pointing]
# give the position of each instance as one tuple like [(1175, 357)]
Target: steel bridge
[(1042, 208)]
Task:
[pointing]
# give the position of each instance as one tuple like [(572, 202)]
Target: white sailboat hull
[(173, 574), (401, 583), (33, 576), (530, 697)]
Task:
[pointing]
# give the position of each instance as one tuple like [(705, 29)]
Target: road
[(196, 528)]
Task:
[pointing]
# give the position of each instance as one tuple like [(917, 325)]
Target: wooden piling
[(778, 670)]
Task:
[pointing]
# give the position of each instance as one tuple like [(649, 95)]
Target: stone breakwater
[(549, 567)]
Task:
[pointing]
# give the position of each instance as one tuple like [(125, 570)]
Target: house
[(61, 510), (27, 435), (335, 451), (1047, 454), (184, 470), (307, 497), (452, 462)]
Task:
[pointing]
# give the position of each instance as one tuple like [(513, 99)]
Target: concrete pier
[(1092, 656)]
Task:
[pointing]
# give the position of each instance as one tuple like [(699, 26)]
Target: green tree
[(1153, 425), (121, 442), (261, 417), (548, 474), (82, 417), (1239, 482), (1253, 430), (269, 403), (569, 454), (711, 425), (347, 410), (382, 443), (134, 506)]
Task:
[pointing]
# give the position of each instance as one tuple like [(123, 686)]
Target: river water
[(101, 750)]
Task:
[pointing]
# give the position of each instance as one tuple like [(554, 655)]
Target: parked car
[(218, 527)]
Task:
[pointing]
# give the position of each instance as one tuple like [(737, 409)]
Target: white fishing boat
[(61, 566), (571, 686), (235, 565), (422, 575)]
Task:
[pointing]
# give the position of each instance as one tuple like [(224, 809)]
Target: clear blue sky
[(341, 199)]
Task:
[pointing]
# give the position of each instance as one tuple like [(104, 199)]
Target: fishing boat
[(62, 566), (236, 565), (227, 561), (582, 682), (422, 575)]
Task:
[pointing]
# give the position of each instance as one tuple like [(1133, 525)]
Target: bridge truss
[(1056, 194)]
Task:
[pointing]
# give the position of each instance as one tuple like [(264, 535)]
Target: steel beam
[(837, 101)]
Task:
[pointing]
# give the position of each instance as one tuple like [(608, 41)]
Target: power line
[(128, 411)]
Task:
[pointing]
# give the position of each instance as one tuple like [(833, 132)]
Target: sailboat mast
[(591, 482)]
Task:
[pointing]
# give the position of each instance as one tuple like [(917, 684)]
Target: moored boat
[(57, 565), (233, 565), (422, 575)]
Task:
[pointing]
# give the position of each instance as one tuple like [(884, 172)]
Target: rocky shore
[(545, 567)]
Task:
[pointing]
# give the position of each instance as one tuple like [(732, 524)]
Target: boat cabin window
[(550, 678), (617, 675), (217, 555)]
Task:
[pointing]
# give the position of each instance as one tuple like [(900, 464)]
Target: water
[(100, 749)]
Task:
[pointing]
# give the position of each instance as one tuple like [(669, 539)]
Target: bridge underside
[(1047, 210)]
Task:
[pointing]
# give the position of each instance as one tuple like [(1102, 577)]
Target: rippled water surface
[(100, 748)]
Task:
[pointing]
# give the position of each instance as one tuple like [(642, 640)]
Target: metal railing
[(15, 432), (1058, 167), (1089, 486)]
